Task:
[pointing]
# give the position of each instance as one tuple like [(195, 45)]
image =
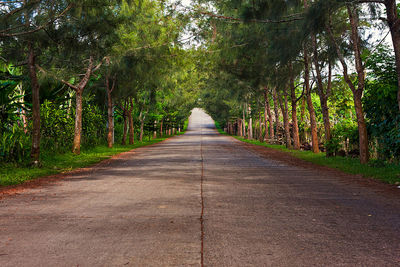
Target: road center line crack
[(202, 199)]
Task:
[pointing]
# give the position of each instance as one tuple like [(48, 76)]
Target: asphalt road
[(200, 198)]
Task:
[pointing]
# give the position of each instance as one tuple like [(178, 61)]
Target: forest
[(312, 75), (78, 74)]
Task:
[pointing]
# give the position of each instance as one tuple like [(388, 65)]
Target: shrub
[(15, 145), (57, 128), (380, 104), (94, 124)]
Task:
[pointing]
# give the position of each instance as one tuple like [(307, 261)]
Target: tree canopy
[(307, 74)]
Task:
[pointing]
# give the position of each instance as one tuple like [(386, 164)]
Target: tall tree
[(310, 105), (22, 32), (358, 89)]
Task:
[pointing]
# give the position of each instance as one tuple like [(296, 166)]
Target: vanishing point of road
[(200, 199)]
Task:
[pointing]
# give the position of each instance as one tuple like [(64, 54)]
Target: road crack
[(202, 199)]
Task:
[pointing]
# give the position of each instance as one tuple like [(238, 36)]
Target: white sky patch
[(189, 38)]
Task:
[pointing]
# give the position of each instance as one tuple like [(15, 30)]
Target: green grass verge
[(219, 129), (389, 173), (12, 174)]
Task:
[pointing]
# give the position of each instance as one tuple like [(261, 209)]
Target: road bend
[(200, 199)]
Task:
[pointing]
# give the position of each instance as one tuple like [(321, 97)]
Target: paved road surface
[(149, 208)]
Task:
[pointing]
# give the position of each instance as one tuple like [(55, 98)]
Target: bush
[(345, 131), (94, 125), (333, 145), (380, 104), (57, 128), (15, 145)]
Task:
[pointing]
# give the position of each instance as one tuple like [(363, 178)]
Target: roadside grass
[(219, 129), (389, 173), (13, 173)]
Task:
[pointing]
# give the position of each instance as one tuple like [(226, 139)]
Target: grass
[(219, 129), (389, 173), (12, 173)]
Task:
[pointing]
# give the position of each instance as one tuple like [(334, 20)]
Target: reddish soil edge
[(274, 154), (12, 190)]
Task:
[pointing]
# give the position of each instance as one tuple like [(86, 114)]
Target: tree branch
[(37, 28), (58, 79), (252, 20)]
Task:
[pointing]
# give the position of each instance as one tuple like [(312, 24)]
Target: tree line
[(82, 72), (306, 73)]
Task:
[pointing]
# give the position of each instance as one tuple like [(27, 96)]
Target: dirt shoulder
[(6, 191)]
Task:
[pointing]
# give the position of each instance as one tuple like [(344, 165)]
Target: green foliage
[(10, 97), (57, 128), (185, 125), (333, 145), (93, 125), (380, 103), (345, 131), (14, 146)]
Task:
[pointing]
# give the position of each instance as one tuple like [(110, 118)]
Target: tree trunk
[(250, 134), (23, 113), (295, 125), (276, 109), (125, 116), (131, 128), (260, 130), (110, 123), (161, 128), (270, 119), (296, 137), (313, 121), (76, 149), (357, 93), (35, 149), (311, 110), (244, 122), (110, 112), (394, 26), (141, 129), (362, 128), (323, 96), (284, 108), (267, 116), (266, 135)]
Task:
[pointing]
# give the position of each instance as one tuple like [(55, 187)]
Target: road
[(200, 199)]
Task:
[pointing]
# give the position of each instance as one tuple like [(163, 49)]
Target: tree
[(23, 23), (110, 86), (83, 50), (357, 90)]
